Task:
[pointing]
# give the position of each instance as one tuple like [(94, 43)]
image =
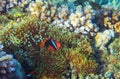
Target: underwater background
[(59, 39)]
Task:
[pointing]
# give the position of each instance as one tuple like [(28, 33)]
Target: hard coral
[(117, 27), (110, 18), (9, 67), (79, 20), (102, 38), (2, 5)]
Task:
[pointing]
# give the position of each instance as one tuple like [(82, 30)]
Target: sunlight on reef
[(59, 39)]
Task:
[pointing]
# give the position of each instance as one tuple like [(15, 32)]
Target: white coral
[(102, 38)]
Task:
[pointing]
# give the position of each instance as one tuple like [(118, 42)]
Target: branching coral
[(78, 19), (110, 19), (113, 65)]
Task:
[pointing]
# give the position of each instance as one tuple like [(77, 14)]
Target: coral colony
[(9, 67), (59, 39)]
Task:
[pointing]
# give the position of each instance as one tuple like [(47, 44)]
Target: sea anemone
[(81, 63)]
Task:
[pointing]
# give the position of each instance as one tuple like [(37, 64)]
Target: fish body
[(51, 44)]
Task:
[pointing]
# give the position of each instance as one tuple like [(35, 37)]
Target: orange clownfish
[(51, 44)]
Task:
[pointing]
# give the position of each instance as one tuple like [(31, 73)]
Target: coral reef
[(113, 65), (15, 13), (79, 21), (16, 34), (111, 3), (3, 19), (117, 27), (85, 30), (110, 18), (9, 67), (22, 40), (2, 5), (82, 65), (114, 47), (27, 35), (110, 58), (53, 64), (102, 38)]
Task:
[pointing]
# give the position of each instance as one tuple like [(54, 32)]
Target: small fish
[(30, 73), (51, 44)]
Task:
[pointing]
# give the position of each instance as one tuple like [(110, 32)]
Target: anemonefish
[(51, 44)]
